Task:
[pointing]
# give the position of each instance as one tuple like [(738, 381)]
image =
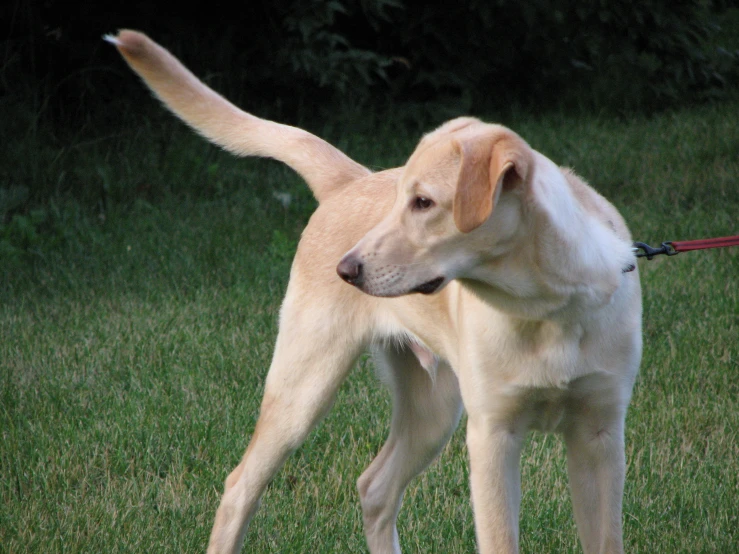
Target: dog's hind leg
[(425, 414), (313, 355)]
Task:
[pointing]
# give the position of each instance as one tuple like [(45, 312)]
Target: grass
[(137, 330)]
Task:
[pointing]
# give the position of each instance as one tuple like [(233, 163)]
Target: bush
[(604, 54), (293, 52)]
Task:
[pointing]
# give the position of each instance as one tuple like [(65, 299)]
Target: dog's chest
[(527, 363), (536, 354)]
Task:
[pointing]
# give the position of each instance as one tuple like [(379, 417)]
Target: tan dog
[(529, 314)]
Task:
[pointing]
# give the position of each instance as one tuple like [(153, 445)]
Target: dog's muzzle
[(351, 270)]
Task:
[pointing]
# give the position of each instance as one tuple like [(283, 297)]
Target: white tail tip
[(112, 39)]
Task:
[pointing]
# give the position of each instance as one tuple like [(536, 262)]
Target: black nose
[(350, 269)]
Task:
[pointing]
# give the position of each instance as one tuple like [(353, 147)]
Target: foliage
[(300, 54), (602, 54), (316, 50), (650, 53)]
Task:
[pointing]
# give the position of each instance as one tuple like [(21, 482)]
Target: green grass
[(136, 336)]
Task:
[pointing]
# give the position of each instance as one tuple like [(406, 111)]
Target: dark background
[(471, 55)]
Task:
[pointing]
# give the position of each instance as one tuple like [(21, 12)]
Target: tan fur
[(485, 161), (527, 321), (320, 164)]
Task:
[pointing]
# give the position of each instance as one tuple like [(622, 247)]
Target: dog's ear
[(487, 164)]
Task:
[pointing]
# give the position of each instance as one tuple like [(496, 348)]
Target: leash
[(643, 250)]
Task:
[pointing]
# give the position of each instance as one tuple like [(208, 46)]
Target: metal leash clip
[(643, 250)]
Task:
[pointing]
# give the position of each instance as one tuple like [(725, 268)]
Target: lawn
[(137, 330)]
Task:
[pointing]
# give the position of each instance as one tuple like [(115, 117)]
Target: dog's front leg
[(314, 351), (596, 465), (495, 449)]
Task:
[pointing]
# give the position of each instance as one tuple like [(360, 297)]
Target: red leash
[(643, 250)]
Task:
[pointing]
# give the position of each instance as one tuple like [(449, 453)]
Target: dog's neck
[(561, 259)]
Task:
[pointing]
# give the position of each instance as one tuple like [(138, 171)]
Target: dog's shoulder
[(596, 205)]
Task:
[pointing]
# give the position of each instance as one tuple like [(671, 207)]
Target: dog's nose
[(350, 269)]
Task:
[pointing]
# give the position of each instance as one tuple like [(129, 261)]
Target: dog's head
[(440, 227)]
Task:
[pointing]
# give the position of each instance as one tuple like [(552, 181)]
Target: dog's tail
[(323, 167)]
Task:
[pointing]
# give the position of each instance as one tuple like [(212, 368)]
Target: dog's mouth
[(429, 287)]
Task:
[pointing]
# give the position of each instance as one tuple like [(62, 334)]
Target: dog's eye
[(422, 203)]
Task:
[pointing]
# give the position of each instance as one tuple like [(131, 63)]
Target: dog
[(482, 277)]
